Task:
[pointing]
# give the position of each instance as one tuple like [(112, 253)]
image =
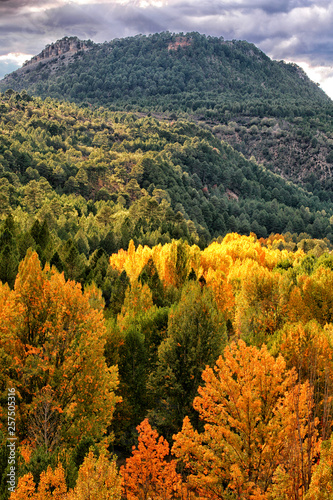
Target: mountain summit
[(190, 69)]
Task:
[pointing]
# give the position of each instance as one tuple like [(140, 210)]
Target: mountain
[(265, 109), (184, 146), (183, 71)]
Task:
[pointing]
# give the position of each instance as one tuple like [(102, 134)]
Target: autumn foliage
[(252, 408), (225, 356), (98, 479), (53, 335), (52, 485), (147, 473)]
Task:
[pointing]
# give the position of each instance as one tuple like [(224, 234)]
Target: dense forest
[(264, 108), (222, 355), (100, 178), (166, 298)]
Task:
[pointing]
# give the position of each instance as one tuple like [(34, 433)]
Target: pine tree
[(196, 337)]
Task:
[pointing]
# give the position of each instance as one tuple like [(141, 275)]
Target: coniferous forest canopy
[(166, 274)]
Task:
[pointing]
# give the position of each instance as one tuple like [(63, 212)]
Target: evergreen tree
[(149, 275), (9, 257), (196, 336)]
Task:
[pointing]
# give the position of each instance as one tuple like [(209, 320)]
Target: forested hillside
[(100, 178), (266, 109), (174, 68)]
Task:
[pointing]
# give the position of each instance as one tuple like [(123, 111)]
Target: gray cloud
[(299, 30)]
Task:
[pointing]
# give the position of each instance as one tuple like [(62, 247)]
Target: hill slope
[(112, 164), (266, 109)]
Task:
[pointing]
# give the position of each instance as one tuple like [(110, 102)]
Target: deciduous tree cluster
[(209, 377)]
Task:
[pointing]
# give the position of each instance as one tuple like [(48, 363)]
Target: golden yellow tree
[(138, 299), (26, 488), (223, 292), (309, 349), (54, 349), (313, 297), (52, 486), (261, 303), (301, 450), (321, 486), (98, 479), (132, 261)]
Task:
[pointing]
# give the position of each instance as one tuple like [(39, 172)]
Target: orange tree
[(52, 338), (256, 418), (147, 473)]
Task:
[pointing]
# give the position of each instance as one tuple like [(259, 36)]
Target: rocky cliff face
[(181, 41), (66, 47)]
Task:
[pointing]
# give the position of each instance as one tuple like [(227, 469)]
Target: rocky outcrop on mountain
[(64, 48), (181, 41)]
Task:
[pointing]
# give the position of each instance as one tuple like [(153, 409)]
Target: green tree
[(196, 337), (9, 257), (149, 275), (72, 261)]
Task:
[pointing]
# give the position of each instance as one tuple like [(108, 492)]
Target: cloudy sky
[(299, 31)]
